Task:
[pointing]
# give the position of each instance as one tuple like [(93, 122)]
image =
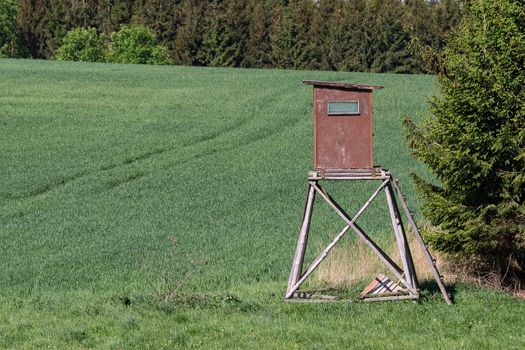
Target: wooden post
[(298, 259), (404, 249)]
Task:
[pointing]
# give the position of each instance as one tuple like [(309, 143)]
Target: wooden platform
[(376, 173)]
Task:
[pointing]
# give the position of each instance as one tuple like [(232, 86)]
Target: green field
[(101, 165)]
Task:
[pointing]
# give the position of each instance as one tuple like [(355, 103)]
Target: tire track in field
[(206, 138), (63, 181), (250, 140), (203, 139)]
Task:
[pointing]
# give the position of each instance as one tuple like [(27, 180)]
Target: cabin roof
[(341, 85)]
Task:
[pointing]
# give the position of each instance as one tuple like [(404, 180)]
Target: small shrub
[(81, 44), (167, 283), (136, 44)]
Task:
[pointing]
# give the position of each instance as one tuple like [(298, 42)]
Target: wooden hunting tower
[(343, 137), (343, 150)]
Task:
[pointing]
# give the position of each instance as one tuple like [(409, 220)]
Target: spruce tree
[(190, 30), (160, 16), (389, 49), (323, 34), (352, 39), (474, 142), (257, 48), (290, 37), (428, 25), (225, 34)]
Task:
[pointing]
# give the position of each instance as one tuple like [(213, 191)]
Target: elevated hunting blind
[(343, 137), (343, 150)]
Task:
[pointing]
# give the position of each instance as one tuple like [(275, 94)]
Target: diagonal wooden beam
[(396, 270), (293, 287)]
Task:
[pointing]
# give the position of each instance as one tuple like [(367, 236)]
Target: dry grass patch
[(350, 263)]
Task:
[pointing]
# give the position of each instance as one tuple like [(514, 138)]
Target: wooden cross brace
[(406, 275)]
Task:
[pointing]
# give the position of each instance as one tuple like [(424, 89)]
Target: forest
[(343, 35)]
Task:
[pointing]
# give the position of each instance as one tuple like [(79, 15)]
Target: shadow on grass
[(431, 289)]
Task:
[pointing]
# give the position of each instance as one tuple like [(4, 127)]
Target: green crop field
[(103, 166)]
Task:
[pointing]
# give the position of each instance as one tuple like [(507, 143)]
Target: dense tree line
[(358, 35)]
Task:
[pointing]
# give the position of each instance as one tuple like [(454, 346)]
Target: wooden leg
[(297, 264), (422, 244), (404, 250)]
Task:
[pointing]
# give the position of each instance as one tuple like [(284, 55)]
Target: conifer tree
[(80, 14), (428, 25), (160, 16), (290, 37), (352, 39), (257, 49), (225, 34), (189, 33), (475, 142), (323, 34), (112, 14), (389, 42)]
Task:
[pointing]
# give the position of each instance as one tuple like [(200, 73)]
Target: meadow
[(102, 166)]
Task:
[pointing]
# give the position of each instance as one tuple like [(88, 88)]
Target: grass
[(103, 164)]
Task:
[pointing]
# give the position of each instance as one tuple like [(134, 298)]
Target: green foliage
[(33, 29), (362, 35), (222, 42), (428, 26), (7, 27), (257, 51), (132, 44), (160, 16), (136, 44), (290, 37), (189, 33), (350, 44), (475, 142), (388, 41), (81, 44), (322, 37)]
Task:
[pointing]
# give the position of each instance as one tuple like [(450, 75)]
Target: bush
[(81, 44), (7, 27), (475, 143), (136, 44)]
